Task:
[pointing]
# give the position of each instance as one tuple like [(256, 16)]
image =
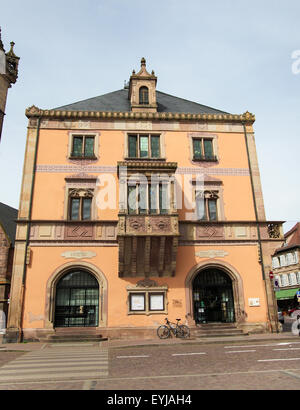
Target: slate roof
[(292, 238), (8, 216), (118, 101)]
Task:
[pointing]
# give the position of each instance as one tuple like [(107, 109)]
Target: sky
[(232, 55)]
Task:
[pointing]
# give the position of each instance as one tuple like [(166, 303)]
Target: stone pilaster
[(256, 176), (13, 333)]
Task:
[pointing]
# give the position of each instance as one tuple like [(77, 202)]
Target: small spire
[(11, 51), (1, 44), (143, 62)]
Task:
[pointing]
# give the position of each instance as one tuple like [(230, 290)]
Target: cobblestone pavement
[(258, 362)]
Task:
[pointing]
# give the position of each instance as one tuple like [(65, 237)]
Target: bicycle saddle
[(178, 319)]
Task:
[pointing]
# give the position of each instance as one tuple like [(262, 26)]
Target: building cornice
[(35, 112)]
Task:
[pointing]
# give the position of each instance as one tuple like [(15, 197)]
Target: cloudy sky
[(232, 55)]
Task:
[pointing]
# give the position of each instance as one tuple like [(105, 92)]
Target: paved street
[(56, 362), (226, 365)]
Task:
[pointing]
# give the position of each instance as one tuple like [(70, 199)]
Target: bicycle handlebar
[(167, 320)]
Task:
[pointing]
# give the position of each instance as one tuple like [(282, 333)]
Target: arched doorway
[(213, 297), (77, 300)]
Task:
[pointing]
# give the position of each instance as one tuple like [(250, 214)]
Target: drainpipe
[(257, 224), (29, 227)]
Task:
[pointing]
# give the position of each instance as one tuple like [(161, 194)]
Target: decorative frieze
[(191, 232), (148, 225), (64, 231), (83, 116)]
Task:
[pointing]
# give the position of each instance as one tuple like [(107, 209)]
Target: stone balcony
[(147, 245)]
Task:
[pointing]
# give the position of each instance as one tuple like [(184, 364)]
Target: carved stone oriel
[(160, 224), (136, 224)]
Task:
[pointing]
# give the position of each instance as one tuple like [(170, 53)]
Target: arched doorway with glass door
[(213, 299), (77, 300)]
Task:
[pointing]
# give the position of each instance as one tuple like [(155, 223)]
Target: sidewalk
[(254, 338)]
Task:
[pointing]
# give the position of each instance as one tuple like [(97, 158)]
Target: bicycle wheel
[(163, 332), (183, 331)]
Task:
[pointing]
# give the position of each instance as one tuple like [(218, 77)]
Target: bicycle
[(165, 331)]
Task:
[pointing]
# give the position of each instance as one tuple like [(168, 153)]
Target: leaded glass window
[(206, 206), (208, 148), (197, 149), (83, 146), (144, 146), (132, 146), (203, 149), (143, 95), (155, 148), (80, 204)]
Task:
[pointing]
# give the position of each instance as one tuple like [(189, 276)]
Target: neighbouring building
[(138, 205), (286, 269), (9, 63), (8, 218)]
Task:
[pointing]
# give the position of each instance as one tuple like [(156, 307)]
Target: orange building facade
[(136, 206)]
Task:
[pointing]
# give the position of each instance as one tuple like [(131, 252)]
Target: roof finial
[(143, 62), (11, 51)]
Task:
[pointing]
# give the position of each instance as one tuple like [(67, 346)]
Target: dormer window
[(143, 95), (142, 90)]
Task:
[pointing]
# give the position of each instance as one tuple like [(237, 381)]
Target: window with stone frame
[(148, 198), (80, 204), (144, 146), (147, 300), (203, 149), (143, 95), (83, 146), (207, 205)]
